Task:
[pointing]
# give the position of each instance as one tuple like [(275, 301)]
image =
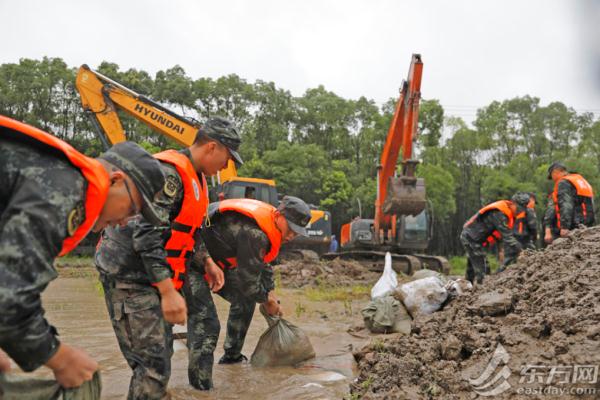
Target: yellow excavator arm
[(101, 97)]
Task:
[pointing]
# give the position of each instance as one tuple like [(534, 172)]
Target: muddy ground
[(75, 305), (297, 274), (544, 312)]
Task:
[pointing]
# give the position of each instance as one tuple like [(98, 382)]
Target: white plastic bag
[(388, 281), (423, 296)]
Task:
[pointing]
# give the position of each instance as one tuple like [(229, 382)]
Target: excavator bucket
[(406, 196), (406, 193)]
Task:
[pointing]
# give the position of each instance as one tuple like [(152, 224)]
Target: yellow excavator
[(102, 98)]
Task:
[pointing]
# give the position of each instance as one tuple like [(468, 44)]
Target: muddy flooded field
[(75, 305)]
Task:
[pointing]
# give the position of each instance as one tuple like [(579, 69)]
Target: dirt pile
[(540, 319), (337, 272)]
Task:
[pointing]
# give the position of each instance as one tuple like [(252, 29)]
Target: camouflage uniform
[(475, 234), (229, 235), (550, 218), (571, 214), (129, 260), (39, 192), (527, 233)]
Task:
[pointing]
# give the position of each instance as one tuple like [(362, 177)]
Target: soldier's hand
[(272, 305), (564, 232), (173, 307), (71, 366), (4, 362), (214, 275)]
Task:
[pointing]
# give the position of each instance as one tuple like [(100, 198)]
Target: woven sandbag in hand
[(281, 344)]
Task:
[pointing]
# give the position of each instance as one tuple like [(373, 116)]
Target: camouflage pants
[(476, 259), (145, 338), (204, 327)]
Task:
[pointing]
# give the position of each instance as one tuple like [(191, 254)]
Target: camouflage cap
[(145, 172), (296, 212), (224, 131), (555, 165), (521, 199)]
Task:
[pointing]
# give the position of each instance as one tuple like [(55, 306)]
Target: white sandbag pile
[(392, 306)]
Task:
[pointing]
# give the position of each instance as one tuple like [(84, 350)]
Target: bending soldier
[(573, 201), (52, 197), (243, 238), (492, 223), (142, 268)]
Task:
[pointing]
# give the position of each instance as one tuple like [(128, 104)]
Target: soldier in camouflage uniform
[(525, 226), (551, 230), (491, 224), (243, 237), (572, 199), (136, 273), (52, 197)]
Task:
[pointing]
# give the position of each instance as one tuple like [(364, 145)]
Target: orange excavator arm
[(401, 134)]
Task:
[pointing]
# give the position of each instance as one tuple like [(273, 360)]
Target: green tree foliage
[(326, 149)]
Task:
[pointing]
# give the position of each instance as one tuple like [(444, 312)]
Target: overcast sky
[(473, 51)]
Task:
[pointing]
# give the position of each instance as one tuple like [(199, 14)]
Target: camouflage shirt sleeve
[(500, 222), (44, 193), (550, 215), (255, 279), (149, 240), (532, 223), (566, 203)]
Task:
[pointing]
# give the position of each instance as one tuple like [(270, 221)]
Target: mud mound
[(337, 272), (540, 318)]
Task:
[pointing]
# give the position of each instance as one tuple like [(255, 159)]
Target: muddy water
[(76, 307)]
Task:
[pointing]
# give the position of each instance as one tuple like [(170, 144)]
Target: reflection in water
[(76, 307)]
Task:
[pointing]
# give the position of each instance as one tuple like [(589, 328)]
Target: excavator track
[(435, 263), (405, 263), (375, 260)]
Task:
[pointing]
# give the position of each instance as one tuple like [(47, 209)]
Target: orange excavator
[(403, 220)]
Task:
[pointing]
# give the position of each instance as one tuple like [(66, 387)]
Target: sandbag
[(386, 315), (426, 273), (22, 387), (423, 296), (388, 280), (458, 287), (281, 344)]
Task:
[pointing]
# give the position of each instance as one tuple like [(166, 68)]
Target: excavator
[(402, 224), (102, 98)]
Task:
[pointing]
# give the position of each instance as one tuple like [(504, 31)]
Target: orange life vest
[(264, 215), (520, 221), (193, 209), (94, 173), (501, 205), (583, 188)]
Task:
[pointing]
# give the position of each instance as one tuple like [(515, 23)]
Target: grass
[(458, 264), (334, 293), (74, 261), (75, 267)]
